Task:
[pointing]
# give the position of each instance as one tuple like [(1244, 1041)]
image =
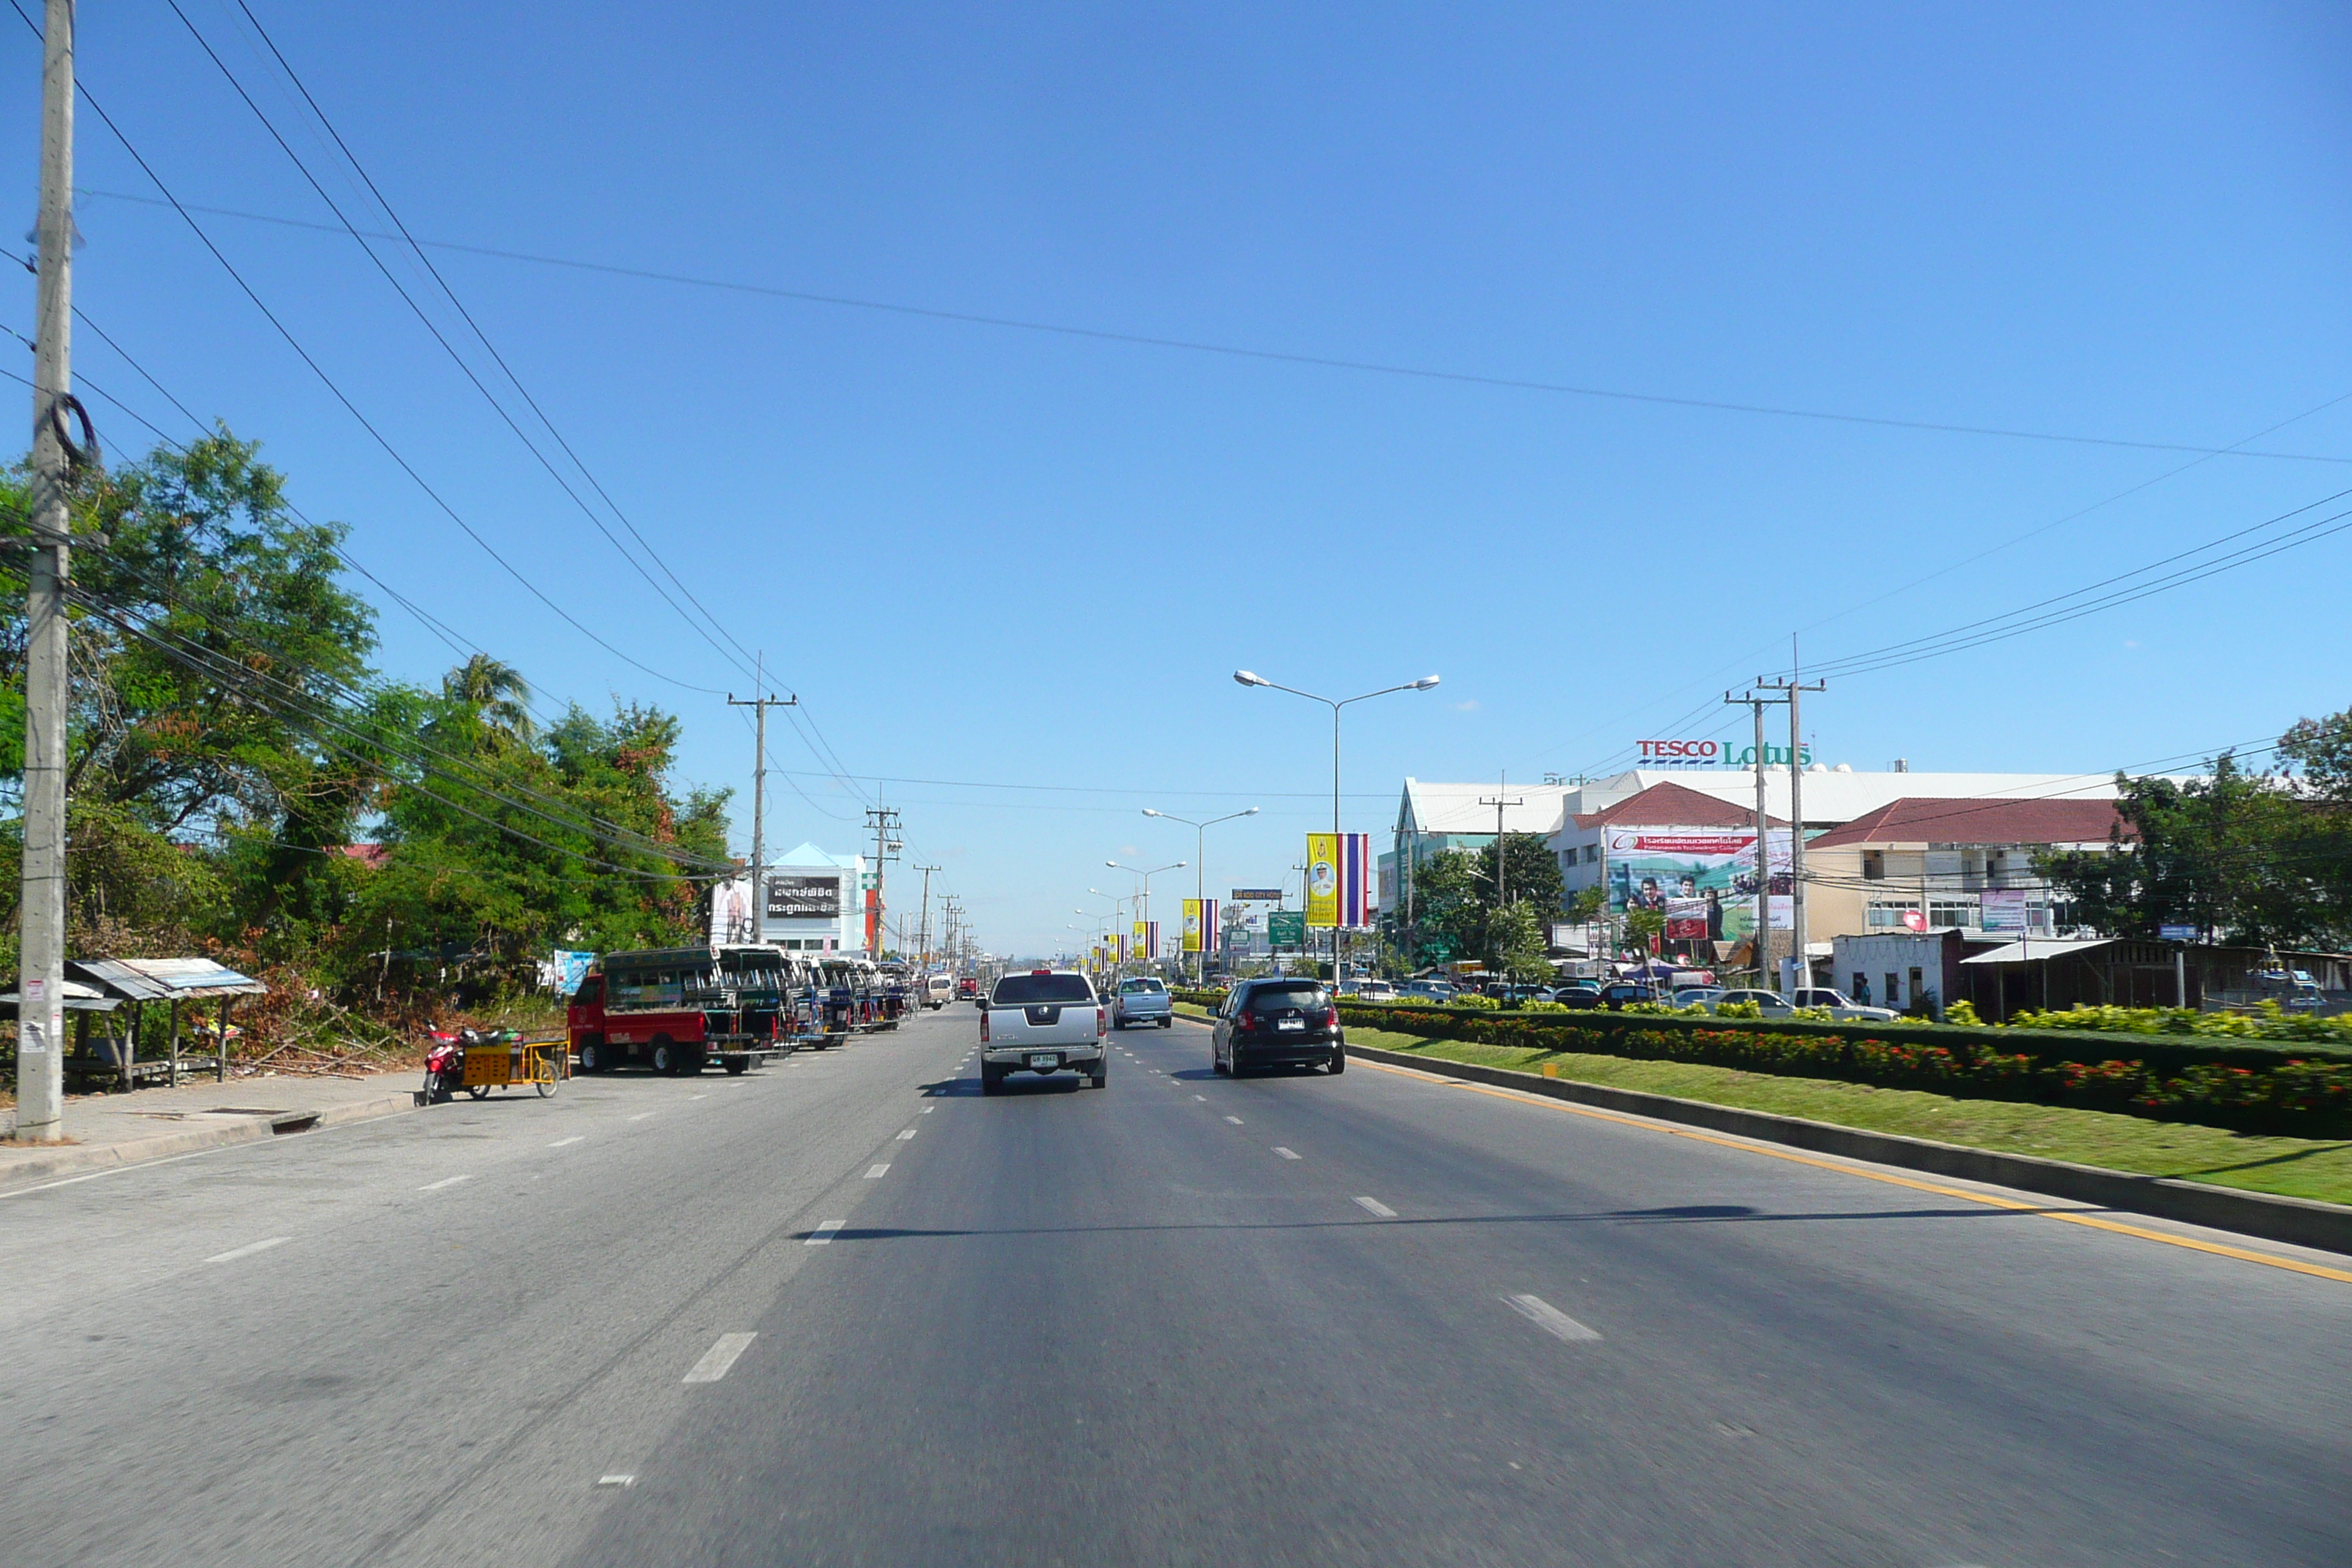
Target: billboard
[(803, 897), (1703, 881), (2002, 910), (1257, 895), (731, 915)]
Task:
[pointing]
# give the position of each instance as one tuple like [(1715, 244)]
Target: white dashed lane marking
[(444, 1182), (823, 1234), (875, 1173), (249, 1249), (1234, 1119), (622, 1482), (641, 1115), (719, 1358), (1550, 1318), (1201, 1097), (1286, 1153), (910, 1132), (1374, 1207), (567, 1143)]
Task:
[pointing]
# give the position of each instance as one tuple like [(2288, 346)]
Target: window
[(1918, 987), (1882, 915), (1026, 990), (1288, 993), (1591, 853), (1955, 914), (1895, 991), (1873, 865)]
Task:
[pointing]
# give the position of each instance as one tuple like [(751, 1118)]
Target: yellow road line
[(1518, 1096)]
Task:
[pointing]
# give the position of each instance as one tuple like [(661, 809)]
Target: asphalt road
[(848, 1310)]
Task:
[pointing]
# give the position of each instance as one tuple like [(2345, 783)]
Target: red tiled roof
[(1673, 805), (372, 855), (1921, 819)]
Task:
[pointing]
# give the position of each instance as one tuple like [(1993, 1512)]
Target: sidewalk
[(110, 1130)]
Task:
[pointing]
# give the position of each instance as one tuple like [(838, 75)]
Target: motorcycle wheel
[(478, 1091)]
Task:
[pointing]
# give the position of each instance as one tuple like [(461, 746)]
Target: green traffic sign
[(1286, 928)]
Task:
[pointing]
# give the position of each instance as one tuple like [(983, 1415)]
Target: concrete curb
[(2300, 1222), (72, 1159)]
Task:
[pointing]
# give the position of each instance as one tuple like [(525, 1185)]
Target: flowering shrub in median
[(2268, 1021), (2266, 1091)]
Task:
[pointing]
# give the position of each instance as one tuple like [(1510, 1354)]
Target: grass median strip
[(2292, 1167)]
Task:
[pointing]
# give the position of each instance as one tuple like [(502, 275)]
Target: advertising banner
[(1199, 925), (805, 897), (1322, 880), (731, 915), (571, 969), (1702, 879), (2002, 910)]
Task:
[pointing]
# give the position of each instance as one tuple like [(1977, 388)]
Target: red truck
[(678, 1009)]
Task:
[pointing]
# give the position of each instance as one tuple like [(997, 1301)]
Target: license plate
[(1290, 1023), (1046, 1059)]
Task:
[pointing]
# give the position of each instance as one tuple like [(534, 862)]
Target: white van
[(939, 990)]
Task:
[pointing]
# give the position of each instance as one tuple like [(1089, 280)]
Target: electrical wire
[(1276, 356), (329, 381), (456, 358)]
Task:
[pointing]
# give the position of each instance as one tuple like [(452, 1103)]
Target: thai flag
[(1208, 925), (1356, 880)]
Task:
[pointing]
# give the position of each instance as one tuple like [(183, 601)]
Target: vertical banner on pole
[(1356, 880), (1150, 930), (1208, 925), (1322, 880), (1192, 927)]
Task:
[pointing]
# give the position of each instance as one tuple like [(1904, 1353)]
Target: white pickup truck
[(1041, 1022)]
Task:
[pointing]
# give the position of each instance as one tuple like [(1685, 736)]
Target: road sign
[(1257, 895), (1286, 928), (2177, 933)]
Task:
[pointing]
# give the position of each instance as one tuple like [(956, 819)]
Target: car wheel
[(592, 1057), (1338, 1062), (1169, 1022), (1216, 1064), (1102, 1074), (664, 1058), (991, 1080)]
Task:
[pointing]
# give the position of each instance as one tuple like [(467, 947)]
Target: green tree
[(2242, 854)]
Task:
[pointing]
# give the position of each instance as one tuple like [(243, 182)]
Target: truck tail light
[(1102, 1020), (984, 1029)]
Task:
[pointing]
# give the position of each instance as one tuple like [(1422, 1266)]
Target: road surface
[(848, 1310)]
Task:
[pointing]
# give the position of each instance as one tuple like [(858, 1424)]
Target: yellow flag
[(1322, 880)]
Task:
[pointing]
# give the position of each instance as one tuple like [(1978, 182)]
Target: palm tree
[(497, 693)]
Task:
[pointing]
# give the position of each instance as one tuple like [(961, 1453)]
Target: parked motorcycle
[(445, 1066)]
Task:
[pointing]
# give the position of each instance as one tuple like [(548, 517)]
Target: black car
[(1277, 1023), (1616, 996)]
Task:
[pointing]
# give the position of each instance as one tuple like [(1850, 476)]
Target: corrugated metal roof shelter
[(163, 979), (171, 980)]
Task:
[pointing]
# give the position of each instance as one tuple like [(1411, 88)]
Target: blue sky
[(988, 556)]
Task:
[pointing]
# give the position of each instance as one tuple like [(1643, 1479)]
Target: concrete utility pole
[(1762, 943), (884, 821), (1793, 687), (759, 704), (41, 985), (1500, 802), (923, 931)]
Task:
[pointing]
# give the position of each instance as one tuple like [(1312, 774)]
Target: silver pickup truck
[(1142, 1000), (1041, 1022)]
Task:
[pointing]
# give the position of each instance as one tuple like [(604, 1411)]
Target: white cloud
[(1469, 707)]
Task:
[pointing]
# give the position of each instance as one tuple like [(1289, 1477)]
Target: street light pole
[(1201, 876), (1147, 876), (1246, 678)]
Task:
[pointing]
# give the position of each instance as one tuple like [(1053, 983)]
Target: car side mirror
[(980, 1002)]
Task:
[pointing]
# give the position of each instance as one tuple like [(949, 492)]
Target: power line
[(449, 348), (352, 409), (1277, 356)]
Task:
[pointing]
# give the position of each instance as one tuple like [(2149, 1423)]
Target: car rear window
[(1303, 995), (1140, 987), (1025, 990)]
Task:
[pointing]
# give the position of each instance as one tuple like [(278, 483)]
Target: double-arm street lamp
[(1139, 871), (1247, 679), (1200, 872)]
